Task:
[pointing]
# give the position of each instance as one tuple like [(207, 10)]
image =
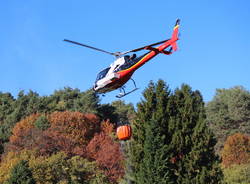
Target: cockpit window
[(102, 74), (130, 61), (126, 58)]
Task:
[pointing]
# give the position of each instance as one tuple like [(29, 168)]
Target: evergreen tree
[(153, 168), (74, 100), (23, 106), (42, 123), (192, 142), (6, 105), (171, 142), (148, 155), (125, 112), (21, 174), (6, 108)]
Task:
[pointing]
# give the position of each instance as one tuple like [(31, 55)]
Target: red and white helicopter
[(121, 70)]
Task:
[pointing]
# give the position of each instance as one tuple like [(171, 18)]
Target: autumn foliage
[(236, 150), (74, 125), (22, 128), (107, 154), (71, 133)]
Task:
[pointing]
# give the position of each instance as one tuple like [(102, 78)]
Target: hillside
[(69, 137)]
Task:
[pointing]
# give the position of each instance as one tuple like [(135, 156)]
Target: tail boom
[(169, 43)]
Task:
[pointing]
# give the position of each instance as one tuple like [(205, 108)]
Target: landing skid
[(124, 93)]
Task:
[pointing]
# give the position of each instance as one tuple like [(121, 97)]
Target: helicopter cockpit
[(102, 74), (128, 62), (120, 64)]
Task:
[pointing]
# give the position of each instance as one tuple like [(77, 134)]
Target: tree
[(171, 142), (11, 159), (58, 168), (148, 154), (51, 169), (107, 155), (74, 100), (6, 108), (236, 150), (68, 131), (21, 174), (81, 170), (125, 112), (237, 174), (192, 142), (24, 105), (13, 110), (42, 123), (75, 125), (229, 113), (106, 152), (6, 105), (88, 102), (23, 134)]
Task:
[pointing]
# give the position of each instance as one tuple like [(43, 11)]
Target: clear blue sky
[(214, 48)]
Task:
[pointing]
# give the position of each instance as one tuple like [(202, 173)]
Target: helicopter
[(121, 70)]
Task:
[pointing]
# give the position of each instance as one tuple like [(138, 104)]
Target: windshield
[(102, 74)]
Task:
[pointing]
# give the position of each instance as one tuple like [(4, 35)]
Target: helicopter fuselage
[(122, 69)]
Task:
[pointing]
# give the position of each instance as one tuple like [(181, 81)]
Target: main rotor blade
[(141, 48), (77, 43)]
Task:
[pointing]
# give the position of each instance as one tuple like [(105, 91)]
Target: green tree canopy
[(229, 113), (21, 174), (171, 142), (42, 123)]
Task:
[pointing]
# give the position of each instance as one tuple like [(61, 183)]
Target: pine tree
[(192, 143), (148, 149), (42, 123), (153, 168), (171, 142), (21, 174)]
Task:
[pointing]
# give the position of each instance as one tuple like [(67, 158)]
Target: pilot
[(133, 56)]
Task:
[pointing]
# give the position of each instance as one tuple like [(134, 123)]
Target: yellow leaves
[(49, 170), (58, 168), (10, 160), (237, 174)]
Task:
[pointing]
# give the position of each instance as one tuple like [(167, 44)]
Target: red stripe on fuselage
[(145, 59), (125, 75)]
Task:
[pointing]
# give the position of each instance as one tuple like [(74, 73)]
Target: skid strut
[(124, 93)]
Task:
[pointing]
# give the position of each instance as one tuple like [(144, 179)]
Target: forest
[(69, 137)]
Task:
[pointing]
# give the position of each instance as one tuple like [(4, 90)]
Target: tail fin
[(175, 35)]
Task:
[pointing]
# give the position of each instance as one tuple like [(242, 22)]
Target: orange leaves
[(107, 127), (107, 154), (69, 132), (23, 127), (74, 125), (72, 133), (236, 150)]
